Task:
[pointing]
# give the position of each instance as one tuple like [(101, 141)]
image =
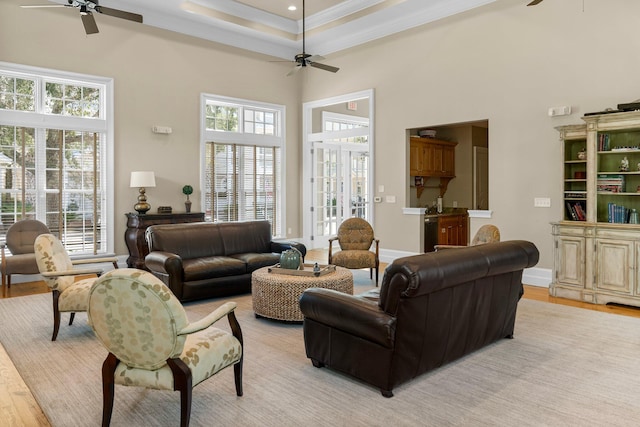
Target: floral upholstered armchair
[(151, 343), (355, 237), (486, 234), (57, 269)]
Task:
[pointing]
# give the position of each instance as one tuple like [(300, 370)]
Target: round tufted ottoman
[(277, 296)]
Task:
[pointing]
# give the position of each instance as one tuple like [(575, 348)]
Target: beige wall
[(504, 62), (158, 78)]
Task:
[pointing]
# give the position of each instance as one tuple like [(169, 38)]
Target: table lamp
[(142, 179)]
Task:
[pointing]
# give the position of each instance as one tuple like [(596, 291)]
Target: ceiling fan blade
[(294, 70), (38, 6), (314, 58), (324, 67), (534, 2), (89, 22), (119, 14)]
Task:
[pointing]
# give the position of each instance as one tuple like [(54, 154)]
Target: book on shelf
[(603, 142), (612, 183), (577, 211), (617, 214)]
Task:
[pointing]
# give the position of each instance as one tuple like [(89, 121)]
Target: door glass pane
[(327, 197), (359, 188)]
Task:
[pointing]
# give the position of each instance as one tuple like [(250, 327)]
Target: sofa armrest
[(351, 314), (164, 263), (279, 246)]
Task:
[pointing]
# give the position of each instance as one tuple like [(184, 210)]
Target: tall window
[(242, 151), (53, 155)]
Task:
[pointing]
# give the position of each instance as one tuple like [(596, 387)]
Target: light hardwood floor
[(19, 407)]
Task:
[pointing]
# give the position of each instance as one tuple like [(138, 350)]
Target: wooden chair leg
[(8, 281), (56, 314), (182, 381), (73, 315), (237, 368), (108, 372), (237, 373)]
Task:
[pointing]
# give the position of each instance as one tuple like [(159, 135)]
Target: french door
[(337, 172), (340, 188)]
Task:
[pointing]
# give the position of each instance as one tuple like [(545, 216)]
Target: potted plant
[(187, 189)]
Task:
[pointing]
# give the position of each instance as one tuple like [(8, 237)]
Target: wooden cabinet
[(597, 256), (453, 230), (137, 224), (432, 157)]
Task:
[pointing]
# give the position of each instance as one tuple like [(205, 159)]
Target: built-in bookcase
[(597, 258)]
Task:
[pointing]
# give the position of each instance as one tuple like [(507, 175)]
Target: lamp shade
[(143, 179)]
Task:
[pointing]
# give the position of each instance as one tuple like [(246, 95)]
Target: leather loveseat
[(205, 260), (432, 309)]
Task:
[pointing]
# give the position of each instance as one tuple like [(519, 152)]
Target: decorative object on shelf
[(582, 154), (164, 209), (633, 217), (316, 268), (291, 259), (186, 190), (624, 164), (142, 180), (638, 167)]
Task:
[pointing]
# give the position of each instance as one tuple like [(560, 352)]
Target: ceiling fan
[(304, 59), (534, 2), (87, 7)]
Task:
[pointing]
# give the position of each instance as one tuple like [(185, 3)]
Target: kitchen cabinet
[(453, 230), (430, 157)]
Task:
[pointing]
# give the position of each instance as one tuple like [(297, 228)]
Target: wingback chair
[(19, 240), (151, 343), (59, 274), (488, 233), (355, 236)]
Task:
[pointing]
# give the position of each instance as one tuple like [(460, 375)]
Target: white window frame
[(41, 121), (242, 138)]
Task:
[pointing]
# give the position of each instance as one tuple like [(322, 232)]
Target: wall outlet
[(377, 199), (541, 202)]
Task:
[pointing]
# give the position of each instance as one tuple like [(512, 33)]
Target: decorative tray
[(307, 271)]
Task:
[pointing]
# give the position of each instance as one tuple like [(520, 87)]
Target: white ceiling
[(266, 26)]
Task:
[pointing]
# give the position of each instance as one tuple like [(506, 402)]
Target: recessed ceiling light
[(292, 8)]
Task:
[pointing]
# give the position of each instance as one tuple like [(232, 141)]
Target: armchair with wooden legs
[(57, 269), (151, 342), (355, 237)]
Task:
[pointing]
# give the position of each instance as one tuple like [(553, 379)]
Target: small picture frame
[(419, 181)]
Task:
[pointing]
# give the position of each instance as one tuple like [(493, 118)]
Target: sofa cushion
[(211, 267), (255, 261), (245, 237)]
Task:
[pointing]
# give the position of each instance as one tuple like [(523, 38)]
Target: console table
[(137, 225)]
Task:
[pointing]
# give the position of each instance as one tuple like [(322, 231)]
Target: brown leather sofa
[(432, 309), (204, 260)]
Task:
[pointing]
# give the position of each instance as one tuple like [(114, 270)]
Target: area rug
[(565, 367)]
